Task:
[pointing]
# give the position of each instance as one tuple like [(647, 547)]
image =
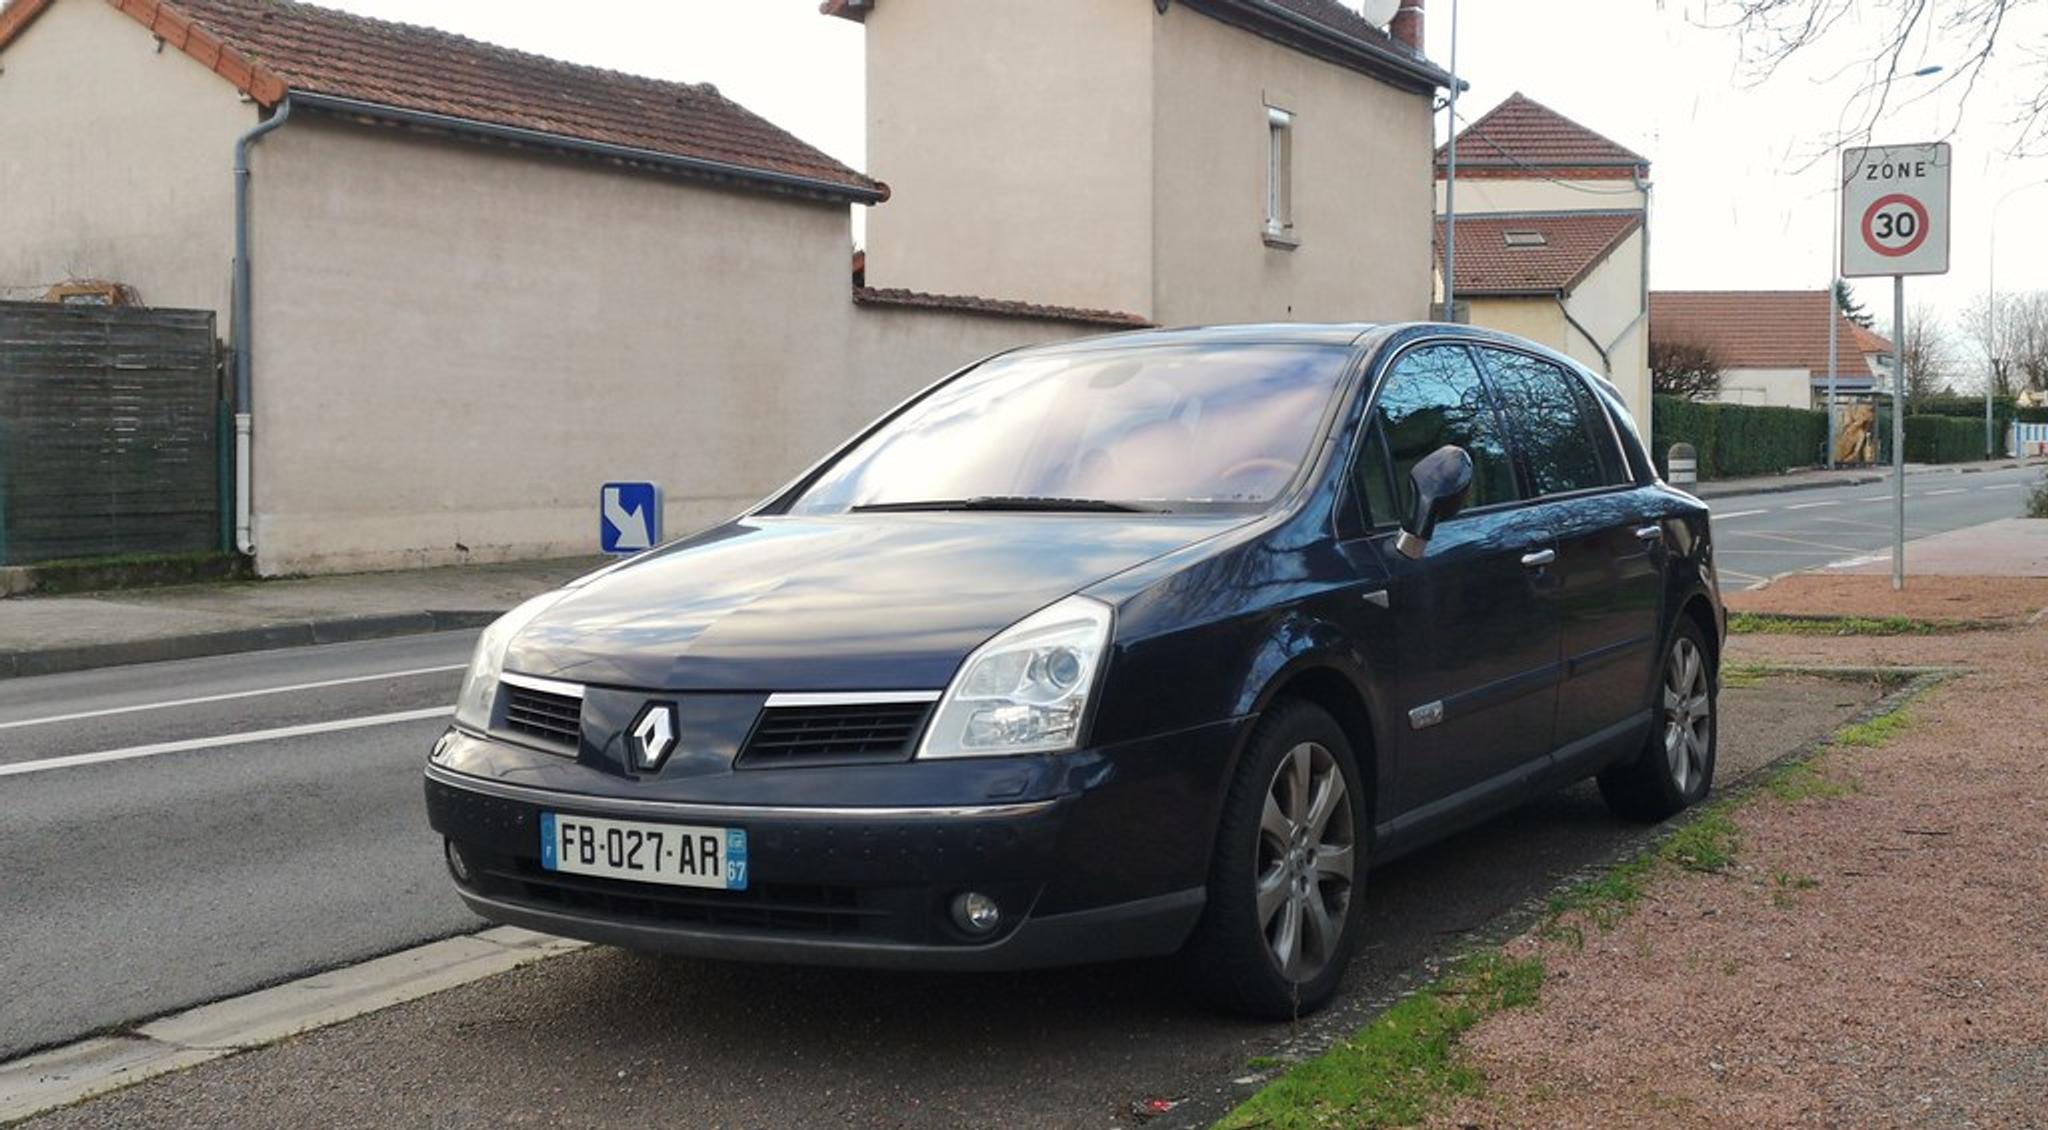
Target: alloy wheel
[(1688, 712), (1305, 858)]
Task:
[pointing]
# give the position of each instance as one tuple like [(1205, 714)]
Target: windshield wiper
[(1012, 502)]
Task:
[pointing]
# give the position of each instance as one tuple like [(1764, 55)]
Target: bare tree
[(1930, 356), (1684, 369), (2023, 342), (1892, 36)]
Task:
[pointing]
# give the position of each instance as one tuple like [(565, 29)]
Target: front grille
[(549, 717), (834, 735)]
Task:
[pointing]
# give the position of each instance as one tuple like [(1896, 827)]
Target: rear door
[(1609, 568), (1475, 637)]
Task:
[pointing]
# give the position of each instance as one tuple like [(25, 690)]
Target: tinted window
[(1175, 427), (1549, 409), (1433, 396), (1369, 474)]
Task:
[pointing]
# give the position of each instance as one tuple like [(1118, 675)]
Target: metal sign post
[(1895, 221)]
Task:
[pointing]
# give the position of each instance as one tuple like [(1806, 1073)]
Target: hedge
[(2033, 415), (1737, 439), (1943, 439)]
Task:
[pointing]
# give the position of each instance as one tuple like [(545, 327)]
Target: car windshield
[(1164, 427)]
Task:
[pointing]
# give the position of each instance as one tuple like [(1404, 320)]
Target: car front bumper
[(1104, 858)]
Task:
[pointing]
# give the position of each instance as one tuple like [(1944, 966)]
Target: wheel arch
[(1338, 693)]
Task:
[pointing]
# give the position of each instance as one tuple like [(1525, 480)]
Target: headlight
[(1028, 689), (480, 685)]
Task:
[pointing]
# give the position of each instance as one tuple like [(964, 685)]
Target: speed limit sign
[(1895, 210)]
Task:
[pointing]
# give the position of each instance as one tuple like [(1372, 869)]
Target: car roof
[(1277, 333)]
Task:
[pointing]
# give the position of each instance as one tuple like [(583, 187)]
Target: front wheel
[(1286, 882), (1676, 767)]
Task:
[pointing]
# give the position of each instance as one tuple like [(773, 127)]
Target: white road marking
[(406, 674), (1951, 490), (1738, 514), (133, 752), (1879, 498), (1811, 505), (2003, 486)]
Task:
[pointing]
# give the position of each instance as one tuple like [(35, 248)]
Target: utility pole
[(1451, 181)]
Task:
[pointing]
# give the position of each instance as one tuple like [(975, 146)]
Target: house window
[(1279, 176), (1525, 238)]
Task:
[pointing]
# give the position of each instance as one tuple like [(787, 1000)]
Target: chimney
[(1406, 27)]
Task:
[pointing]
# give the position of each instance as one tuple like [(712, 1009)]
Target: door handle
[(1650, 533), (1538, 558)]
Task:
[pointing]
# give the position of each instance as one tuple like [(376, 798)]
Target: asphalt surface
[(138, 886), (604, 1038), (1759, 536)]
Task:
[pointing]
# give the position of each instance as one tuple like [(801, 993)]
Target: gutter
[(1329, 38), (245, 540), (698, 166), (1606, 366), (1643, 187)]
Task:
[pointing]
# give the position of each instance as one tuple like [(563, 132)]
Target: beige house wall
[(1773, 388), (114, 162), (1533, 194), (1609, 303), (1017, 141), (456, 344), (1361, 203)]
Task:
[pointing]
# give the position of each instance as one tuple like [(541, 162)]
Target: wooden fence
[(111, 432)]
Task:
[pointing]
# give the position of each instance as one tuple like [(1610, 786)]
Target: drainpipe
[(1606, 366), (1643, 311), (245, 541)]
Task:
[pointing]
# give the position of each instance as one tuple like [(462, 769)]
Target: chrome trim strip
[(849, 698), (545, 686), (1426, 715), (686, 810)]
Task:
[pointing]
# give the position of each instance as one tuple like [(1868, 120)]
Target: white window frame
[(1279, 227)]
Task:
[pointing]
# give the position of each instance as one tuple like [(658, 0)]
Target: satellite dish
[(1381, 12)]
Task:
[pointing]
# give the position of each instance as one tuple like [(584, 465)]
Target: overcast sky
[(1739, 202)]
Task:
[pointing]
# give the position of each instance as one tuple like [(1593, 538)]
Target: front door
[(1475, 630)]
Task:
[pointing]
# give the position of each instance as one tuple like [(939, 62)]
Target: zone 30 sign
[(1895, 210)]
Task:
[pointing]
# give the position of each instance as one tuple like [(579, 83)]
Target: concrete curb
[(62, 1076), (56, 660)]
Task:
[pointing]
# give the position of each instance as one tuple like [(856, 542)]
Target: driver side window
[(1433, 396)]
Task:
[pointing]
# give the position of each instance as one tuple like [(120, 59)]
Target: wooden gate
[(111, 430)]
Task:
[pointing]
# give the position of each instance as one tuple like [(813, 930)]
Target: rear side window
[(1553, 423), (1434, 396)]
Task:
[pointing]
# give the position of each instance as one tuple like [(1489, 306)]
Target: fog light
[(976, 913), (457, 866)]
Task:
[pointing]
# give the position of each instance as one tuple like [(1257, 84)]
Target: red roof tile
[(1522, 133), (1763, 329), (1572, 244), (999, 307), (269, 47)]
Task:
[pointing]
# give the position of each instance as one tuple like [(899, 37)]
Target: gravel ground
[(1925, 598), (605, 1038), (1876, 958)]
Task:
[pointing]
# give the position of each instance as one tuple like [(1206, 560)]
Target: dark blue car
[(1120, 647)]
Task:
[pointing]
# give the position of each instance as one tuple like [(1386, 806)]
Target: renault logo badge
[(654, 736)]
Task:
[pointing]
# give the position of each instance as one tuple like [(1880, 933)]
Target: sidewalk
[(1818, 478), (44, 635)]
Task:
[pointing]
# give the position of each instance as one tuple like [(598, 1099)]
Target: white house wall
[(115, 157), (1537, 194), (1774, 388)]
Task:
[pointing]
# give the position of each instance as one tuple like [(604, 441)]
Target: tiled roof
[(1763, 329), (999, 307), (1522, 133), (1571, 245), (268, 48)]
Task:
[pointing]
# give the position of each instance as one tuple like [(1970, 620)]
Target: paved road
[(1758, 536), (137, 886), (140, 885)]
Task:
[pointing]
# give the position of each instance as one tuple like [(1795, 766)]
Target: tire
[(1286, 962), (1675, 769)]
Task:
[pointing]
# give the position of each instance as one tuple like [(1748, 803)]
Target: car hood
[(844, 602)]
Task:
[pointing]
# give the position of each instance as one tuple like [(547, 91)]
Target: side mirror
[(1443, 481)]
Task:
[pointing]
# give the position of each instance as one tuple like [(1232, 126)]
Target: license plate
[(675, 854)]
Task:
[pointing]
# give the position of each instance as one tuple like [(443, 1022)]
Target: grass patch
[(1785, 888), (1776, 624), (1874, 731), (1707, 843), (1742, 676), (1404, 1065)]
